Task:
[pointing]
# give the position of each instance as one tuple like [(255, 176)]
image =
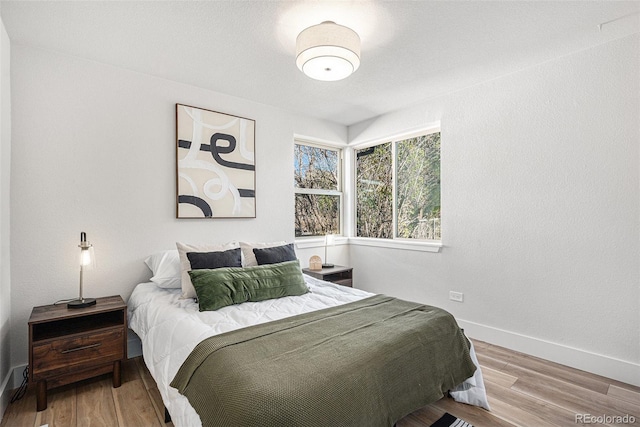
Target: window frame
[(340, 149), (394, 241)]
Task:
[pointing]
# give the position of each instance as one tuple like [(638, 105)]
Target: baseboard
[(5, 393), (599, 364), (9, 384)]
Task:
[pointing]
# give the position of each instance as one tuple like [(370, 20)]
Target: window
[(398, 189), (318, 190), (374, 189)]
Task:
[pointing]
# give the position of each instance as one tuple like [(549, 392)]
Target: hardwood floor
[(523, 391), (95, 402)]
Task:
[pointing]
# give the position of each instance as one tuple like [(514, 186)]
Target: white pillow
[(165, 267), (188, 291), (248, 257)]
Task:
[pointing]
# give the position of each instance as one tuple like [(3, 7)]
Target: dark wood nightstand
[(69, 345), (337, 274)]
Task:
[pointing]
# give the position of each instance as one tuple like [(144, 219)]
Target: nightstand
[(337, 274), (69, 345)]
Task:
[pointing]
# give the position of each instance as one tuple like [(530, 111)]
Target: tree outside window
[(398, 189), (374, 189), (318, 195)]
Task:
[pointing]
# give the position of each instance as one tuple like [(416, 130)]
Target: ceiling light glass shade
[(328, 51)]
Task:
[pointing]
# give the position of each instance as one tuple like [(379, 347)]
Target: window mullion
[(394, 191), (341, 191)]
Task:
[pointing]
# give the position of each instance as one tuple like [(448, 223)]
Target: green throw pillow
[(220, 287)]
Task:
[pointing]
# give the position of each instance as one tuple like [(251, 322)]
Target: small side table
[(69, 345), (337, 274)]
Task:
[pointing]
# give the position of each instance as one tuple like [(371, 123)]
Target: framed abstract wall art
[(216, 174)]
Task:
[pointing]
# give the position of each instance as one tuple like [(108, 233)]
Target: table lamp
[(329, 240), (87, 261)]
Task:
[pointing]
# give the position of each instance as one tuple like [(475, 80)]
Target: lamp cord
[(22, 390)]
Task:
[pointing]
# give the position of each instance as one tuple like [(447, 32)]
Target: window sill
[(408, 245), (318, 242), (421, 246)]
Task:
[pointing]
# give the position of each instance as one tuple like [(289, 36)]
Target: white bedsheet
[(170, 328)]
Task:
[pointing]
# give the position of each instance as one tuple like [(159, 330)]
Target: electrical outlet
[(456, 296)]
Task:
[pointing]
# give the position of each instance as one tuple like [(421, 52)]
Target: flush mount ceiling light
[(328, 51)]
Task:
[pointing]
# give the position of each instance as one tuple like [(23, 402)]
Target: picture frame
[(215, 164)]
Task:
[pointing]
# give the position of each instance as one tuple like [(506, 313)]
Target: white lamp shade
[(328, 51), (85, 257)]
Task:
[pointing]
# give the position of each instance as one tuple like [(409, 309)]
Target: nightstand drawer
[(69, 353), (343, 282)]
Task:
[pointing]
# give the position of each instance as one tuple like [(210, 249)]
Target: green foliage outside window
[(315, 167), (374, 189), (411, 180), (416, 189), (317, 215), (317, 185)]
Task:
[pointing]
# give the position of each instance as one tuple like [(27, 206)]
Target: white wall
[(5, 267), (94, 151), (541, 192), (540, 210)]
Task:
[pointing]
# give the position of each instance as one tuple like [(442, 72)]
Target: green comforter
[(367, 363)]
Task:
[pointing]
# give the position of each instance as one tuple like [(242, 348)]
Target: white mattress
[(170, 327)]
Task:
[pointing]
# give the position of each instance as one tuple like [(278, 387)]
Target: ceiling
[(411, 50)]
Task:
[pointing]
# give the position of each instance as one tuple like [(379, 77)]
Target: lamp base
[(81, 303), (328, 265)]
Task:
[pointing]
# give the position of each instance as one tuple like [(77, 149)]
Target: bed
[(171, 327)]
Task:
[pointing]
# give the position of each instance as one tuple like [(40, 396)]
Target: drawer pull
[(84, 347)]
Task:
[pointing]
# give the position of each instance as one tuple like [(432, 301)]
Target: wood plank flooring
[(523, 391)]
